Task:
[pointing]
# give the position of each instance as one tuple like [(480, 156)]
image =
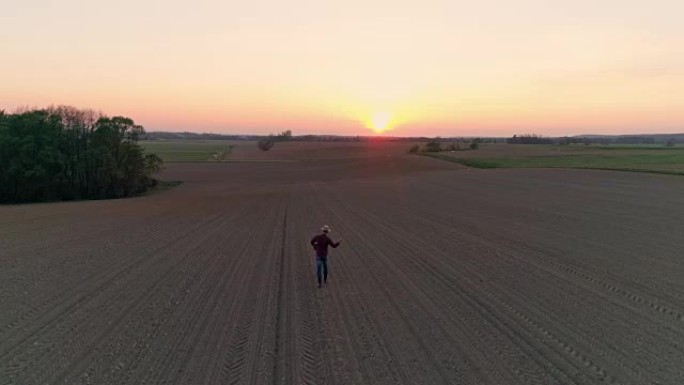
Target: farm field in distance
[(650, 158), (188, 150), (174, 151), (446, 275)]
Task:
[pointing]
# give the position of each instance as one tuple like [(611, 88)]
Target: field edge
[(489, 164)]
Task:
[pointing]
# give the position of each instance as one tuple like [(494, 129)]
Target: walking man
[(320, 243)]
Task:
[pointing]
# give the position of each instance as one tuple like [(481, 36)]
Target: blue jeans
[(322, 269)]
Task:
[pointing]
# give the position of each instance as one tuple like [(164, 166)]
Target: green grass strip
[(583, 163)]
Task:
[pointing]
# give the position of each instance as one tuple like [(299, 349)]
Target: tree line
[(596, 139), (65, 153), (265, 144), (438, 145), (529, 139)]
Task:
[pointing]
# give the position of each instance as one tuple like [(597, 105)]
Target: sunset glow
[(426, 68), (380, 122)]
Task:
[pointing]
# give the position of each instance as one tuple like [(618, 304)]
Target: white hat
[(326, 228)]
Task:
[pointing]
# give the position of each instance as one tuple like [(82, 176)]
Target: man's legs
[(319, 267), (321, 270)]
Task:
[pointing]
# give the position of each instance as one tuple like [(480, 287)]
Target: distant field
[(629, 158), (187, 150), (625, 157), (173, 151)]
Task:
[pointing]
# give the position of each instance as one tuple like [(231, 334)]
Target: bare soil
[(445, 275)]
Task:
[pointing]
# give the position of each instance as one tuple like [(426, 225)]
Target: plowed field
[(445, 276)]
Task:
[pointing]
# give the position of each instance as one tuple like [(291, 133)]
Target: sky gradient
[(432, 67)]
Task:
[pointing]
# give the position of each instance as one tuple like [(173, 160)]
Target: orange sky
[(432, 67)]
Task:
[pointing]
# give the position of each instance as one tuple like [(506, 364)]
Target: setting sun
[(380, 122)]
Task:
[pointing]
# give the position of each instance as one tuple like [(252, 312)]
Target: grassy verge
[(208, 151), (472, 162), (649, 147), (665, 163)]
